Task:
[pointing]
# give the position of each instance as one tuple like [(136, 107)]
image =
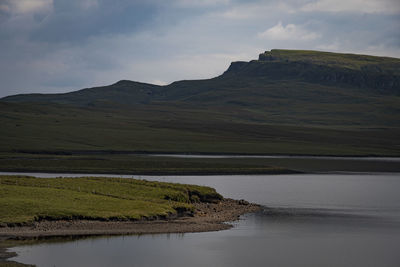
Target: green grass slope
[(28, 199), (349, 61), (46, 128)]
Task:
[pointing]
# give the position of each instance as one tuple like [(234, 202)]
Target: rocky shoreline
[(206, 217)]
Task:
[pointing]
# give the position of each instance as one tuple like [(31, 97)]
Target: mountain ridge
[(379, 75)]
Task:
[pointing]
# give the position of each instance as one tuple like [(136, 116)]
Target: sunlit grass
[(28, 199)]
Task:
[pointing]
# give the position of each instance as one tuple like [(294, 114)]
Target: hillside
[(286, 102)]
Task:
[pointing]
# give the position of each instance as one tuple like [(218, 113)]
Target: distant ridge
[(371, 74), (379, 73)]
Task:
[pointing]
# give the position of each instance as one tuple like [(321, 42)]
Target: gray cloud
[(72, 21)]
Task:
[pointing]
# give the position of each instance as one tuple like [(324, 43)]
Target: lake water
[(308, 220)]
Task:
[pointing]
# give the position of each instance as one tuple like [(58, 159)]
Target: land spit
[(206, 217)]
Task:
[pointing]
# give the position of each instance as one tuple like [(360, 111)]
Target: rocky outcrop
[(379, 78)]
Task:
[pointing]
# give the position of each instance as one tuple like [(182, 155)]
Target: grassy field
[(27, 199), (55, 128)]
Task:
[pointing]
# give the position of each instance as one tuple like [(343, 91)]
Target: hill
[(380, 75), (286, 102)]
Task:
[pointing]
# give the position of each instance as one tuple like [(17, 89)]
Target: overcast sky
[(63, 45)]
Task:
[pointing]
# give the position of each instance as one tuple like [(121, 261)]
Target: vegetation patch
[(24, 200)]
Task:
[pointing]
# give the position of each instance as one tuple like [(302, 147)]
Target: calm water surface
[(308, 220)]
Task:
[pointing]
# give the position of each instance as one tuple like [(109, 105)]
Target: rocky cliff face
[(374, 73)]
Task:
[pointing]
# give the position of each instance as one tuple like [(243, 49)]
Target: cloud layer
[(288, 32), (61, 45)]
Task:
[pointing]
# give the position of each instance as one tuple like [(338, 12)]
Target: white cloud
[(201, 3), (357, 6), (288, 32), (347, 46), (30, 6), (158, 82), (380, 50), (253, 11), (86, 4), (334, 46), (236, 13)]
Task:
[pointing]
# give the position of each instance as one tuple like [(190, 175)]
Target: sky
[(53, 46)]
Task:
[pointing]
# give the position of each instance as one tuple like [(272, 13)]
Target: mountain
[(287, 101), (379, 75), (376, 74)]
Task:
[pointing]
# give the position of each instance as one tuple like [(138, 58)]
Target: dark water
[(308, 220)]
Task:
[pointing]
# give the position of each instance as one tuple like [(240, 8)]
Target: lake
[(307, 220)]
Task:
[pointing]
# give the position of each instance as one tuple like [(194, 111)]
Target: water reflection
[(256, 240)]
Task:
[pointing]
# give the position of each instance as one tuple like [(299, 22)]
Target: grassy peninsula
[(24, 200), (31, 208)]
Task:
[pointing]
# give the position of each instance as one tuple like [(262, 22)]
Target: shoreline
[(206, 218), (187, 153), (163, 173)]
